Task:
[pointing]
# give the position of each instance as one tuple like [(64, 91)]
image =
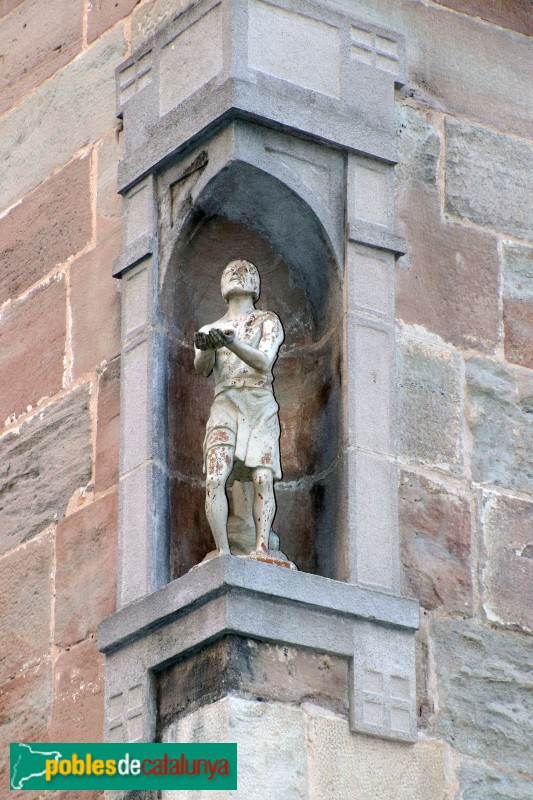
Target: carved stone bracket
[(235, 595)]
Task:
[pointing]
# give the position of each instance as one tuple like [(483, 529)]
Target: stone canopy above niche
[(289, 64)]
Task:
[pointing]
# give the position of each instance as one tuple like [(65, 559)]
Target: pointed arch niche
[(235, 147), (244, 212)]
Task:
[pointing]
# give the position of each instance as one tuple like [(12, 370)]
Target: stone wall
[(465, 320)]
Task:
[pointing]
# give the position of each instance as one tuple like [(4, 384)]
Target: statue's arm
[(204, 355)]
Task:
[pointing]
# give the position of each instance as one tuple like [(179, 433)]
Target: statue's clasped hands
[(213, 339)]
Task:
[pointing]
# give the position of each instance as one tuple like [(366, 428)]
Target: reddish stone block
[(25, 710), (26, 600), (507, 581), (513, 14), (103, 14), (85, 570), (78, 702), (56, 233), (451, 285), (95, 307), (36, 40), (108, 427), (518, 327), (435, 530), (32, 347)]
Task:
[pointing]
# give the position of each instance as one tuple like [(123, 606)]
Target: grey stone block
[(479, 782), (500, 422), (429, 404), (485, 691), (384, 682), (518, 272), (43, 463), (488, 178), (370, 281)]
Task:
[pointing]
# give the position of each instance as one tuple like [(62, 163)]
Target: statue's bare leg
[(219, 463), (264, 507)]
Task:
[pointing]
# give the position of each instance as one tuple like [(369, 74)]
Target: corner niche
[(245, 213)]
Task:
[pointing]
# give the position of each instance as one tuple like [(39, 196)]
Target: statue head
[(240, 277)]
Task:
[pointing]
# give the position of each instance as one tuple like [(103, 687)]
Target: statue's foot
[(267, 558), (212, 554)]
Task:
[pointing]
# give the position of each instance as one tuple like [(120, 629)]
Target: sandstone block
[(41, 466), (500, 423), (485, 691), (488, 178), (515, 15), (85, 570), (238, 666), (26, 600), (480, 782), (95, 307), (508, 569), (107, 427), (447, 77), (77, 708), (8, 5), (70, 110), (40, 37), (348, 766), (518, 304), (429, 405), (108, 201), (25, 708), (281, 770), (103, 14), (56, 233), (32, 346), (449, 281), (435, 528)]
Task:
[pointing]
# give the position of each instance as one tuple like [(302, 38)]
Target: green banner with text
[(123, 766)]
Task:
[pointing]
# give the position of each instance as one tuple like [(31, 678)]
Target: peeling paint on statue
[(241, 445)]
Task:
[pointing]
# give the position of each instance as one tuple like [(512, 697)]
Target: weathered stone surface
[(514, 14), (8, 5), (56, 233), (108, 201), (73, 108), (95, 307), (41, 467), (449, 281), (485, 690), (32, 346), (480, 782), (280, 771), (86, 554), (77, 708), (500, 408), (429, 404), (108, 427), (518, 272), (40, 37), (435, 527), (152, 15), (518, 326), (26, 601), (103, 14), (488, 178), (25, 707), (518, 304), (507, 583), (348, 766), (249, 668)]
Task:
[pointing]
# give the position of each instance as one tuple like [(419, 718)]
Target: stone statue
[(241, 445)]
